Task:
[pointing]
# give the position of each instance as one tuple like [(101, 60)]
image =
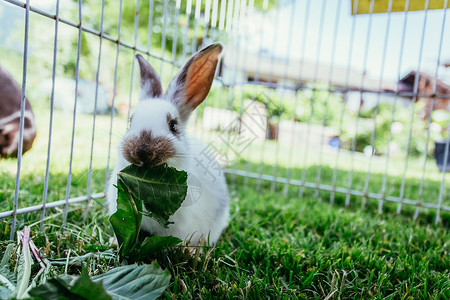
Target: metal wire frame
[(363, 81), (119, 25), (53, 204), (229, 20), (77, 76), (90, 30), (349, 191), (341, 190), (52, 98), (120, 43), (383, 62), (311, 102), (416, 87), (422, 180), (22, 110), (303, 47), (102, 36)]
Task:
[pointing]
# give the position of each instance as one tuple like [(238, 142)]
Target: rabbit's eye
[(173, 125)]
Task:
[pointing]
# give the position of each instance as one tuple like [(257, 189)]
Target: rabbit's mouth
[(146, 150)]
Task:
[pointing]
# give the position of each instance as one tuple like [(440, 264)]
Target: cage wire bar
[(303, 47), (218, 21), (52, 98), (22, 111), (349, 191), (383, 62), (77, 76), (366, 57), (311, 102)]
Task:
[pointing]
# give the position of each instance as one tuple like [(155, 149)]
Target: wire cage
[(342, 100)]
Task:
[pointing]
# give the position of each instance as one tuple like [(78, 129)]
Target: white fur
[(200, 217)]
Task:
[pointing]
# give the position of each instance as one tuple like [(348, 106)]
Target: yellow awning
[(382, 6)]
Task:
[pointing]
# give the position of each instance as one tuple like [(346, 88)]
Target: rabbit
[(157, 135), (10, 101)]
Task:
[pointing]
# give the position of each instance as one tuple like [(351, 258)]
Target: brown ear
[(150, 82), (194, 80)]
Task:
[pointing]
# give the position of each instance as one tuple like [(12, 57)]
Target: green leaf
[(162, 189), (4, 292), (154, 244), (88, 289), (5, 264), (135, 282), (23, 267), (71, 287), (126, 221), (54, 288), (127, 282)]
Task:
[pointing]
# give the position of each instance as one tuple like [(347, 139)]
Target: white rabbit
[(157, 135)]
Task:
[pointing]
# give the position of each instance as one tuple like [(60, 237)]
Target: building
[(427, 87)]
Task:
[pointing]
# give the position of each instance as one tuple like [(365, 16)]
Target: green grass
[(283, 247), (276, 246)]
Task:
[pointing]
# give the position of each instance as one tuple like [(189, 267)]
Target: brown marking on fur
[(147, 150), (171, 119), (149, 78)]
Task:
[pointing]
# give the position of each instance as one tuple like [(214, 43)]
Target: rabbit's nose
[(145, 155), (144, 149)]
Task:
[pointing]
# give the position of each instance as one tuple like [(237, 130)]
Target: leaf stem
[(27, 264)]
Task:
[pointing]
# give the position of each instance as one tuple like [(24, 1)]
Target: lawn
[(277, 245)]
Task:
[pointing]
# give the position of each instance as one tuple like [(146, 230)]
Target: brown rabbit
[(10, 97)]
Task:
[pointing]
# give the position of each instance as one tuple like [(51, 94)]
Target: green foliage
[(275, 246), (161, 190), (67, 287), (160, 14), (315, 105), (284, 247), (281, 246), (118, 283), (378, 121), (153, 244), (167, 21), (126, 221), (7, 278), (375, 119), (442, 118), (319, 106), (135, 281)]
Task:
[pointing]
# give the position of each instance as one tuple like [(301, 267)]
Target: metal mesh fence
[(321, 98)]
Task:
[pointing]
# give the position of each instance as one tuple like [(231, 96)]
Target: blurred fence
[(310, 96)]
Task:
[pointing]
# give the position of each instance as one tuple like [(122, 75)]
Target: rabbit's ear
[(192, 84), (150, 82)]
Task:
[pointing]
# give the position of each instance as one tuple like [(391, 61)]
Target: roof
[(268, 68), (406, 84)]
